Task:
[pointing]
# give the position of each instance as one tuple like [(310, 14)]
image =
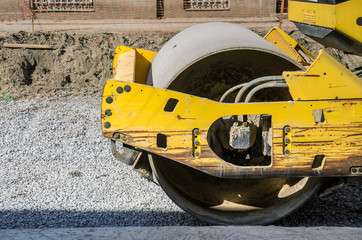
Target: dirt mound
[(78, 63)]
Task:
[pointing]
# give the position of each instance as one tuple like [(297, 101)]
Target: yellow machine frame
[(319, 126)]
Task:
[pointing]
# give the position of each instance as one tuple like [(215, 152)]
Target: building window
[(215, 5), (63, 5)]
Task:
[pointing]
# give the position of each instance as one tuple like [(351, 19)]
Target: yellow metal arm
[(139, 114), (325, 79), (288, 45)]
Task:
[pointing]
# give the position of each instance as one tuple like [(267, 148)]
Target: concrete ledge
[(212, 232)]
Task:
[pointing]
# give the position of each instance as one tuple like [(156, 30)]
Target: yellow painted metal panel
[(143, 61), (342, 17), (125, 66), (326, 78), (346, 18), (312, 13), (288, 45), (138, 66), (139, 115), (119, 50)]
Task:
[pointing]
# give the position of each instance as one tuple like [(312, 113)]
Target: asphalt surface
[(215, 232)]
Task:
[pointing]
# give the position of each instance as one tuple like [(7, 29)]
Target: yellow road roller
[(236, 128)]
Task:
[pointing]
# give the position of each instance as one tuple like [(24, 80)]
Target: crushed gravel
[(56, 170)]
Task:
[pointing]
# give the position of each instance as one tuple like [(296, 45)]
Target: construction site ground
[(57, 171)]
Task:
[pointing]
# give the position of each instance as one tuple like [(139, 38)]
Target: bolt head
[(116, 135), (196, 131), (119, 90), (127, 88), (286, 140), (108, 112), (109, 100), (286, 128), (123, 137), (196, 142), (286, 151), (107, 125), (196, 154)]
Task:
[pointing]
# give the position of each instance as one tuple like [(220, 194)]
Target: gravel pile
[(56, 170)]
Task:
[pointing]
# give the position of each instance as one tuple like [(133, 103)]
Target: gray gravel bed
[(56, 170)]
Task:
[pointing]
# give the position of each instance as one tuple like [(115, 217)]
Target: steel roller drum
[(206, 60)]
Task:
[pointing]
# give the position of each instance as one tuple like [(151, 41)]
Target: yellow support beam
[(139, 114), (133, 63), (288, 45), (325, 79)]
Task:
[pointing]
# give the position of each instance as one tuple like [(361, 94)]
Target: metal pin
[(116, 135), (123, 137)]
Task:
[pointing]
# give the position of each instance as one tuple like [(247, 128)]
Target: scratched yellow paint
[(140, 114)]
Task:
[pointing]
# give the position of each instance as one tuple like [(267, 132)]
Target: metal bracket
[(287, 140), (196, 142), (128, 156)]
